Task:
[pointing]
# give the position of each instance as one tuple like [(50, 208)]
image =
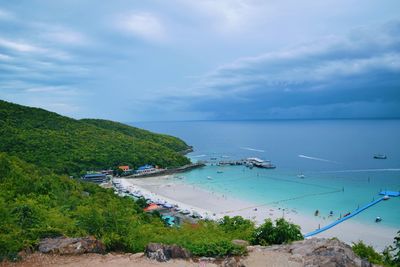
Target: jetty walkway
[(354, 213)]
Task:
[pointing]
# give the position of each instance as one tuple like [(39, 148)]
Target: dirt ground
[(255, 259)]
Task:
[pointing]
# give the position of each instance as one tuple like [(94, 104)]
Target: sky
[(159, 60)]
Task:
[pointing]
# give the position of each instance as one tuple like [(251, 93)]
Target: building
[(146, 169), (97, 178), (124, 168)]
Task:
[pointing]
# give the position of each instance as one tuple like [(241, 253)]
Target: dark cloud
[(356, 75)]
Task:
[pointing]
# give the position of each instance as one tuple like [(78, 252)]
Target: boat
[(379, 156), (378, 219), (386, 197), (256, 162), (209, 177), (219, 171), (301, 176)]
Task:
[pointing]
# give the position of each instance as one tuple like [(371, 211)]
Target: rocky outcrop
[(161, 252), (317, 252), (71, 246)]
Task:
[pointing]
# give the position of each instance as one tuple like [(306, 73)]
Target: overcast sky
[(202, 59)]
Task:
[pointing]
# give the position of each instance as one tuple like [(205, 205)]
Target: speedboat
[(386, 197), (378, 219), (301, 176), (379, 156)]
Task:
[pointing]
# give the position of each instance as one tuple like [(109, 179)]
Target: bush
[(281, 232), (215, 249), (367, 252), (238, 227)]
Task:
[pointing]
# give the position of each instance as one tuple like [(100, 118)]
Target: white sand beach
[(215, 205)]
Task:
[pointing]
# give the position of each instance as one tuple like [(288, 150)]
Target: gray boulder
[(320, 252), (71, 246), (161, 252)]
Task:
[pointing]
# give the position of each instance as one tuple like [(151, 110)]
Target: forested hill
[(71, 146), (162, 139)]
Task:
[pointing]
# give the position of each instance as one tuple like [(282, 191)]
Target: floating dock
[(354, 213), (390, 193)]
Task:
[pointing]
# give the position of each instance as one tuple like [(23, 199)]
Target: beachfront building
[(97, 178), (146, 169), (125, 168)]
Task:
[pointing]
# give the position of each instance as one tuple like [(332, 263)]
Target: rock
[(161, 252), (296, 258), (240, 242), (320, 252), (207, 259), (71, 246), (232, 262)]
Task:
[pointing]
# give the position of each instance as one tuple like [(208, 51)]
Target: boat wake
[(252, 149), (199, 156), (318, 159)]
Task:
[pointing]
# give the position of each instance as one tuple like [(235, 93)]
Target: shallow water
[(335, 156)]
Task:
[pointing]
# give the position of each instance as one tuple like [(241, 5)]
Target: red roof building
[(124, 168)]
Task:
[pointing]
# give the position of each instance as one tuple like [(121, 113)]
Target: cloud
[(143, 25), (66, 36), (6, 15), (328, 78), (20, 46)]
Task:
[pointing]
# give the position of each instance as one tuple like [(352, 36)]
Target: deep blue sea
[(335, 156)]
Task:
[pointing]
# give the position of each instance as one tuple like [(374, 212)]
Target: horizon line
[(278, 119)]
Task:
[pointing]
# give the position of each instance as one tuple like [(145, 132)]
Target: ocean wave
[(318, 159), (252, 149), (198, 156)]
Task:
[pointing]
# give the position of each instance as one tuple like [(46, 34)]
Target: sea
[(324, 165)]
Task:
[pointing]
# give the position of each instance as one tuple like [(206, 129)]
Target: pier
[(354, 213), (249, 162)]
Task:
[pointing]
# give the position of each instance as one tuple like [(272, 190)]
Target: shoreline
[(214, 205)]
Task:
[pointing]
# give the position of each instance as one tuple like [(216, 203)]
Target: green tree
[(281, 232)]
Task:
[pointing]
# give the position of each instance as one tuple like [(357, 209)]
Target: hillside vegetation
[(37, 199), (69, 146), (36, 204)]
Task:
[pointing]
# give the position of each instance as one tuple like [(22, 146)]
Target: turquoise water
[(336, 157)]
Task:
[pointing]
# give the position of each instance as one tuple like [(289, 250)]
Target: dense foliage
[(34, 205), (389, 258), (68, 146), (367, 252), (281, 232), (162, 139)]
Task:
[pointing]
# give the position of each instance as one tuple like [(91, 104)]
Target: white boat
[(209, 177), (379, 156), (257, 162), (386, 197)]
